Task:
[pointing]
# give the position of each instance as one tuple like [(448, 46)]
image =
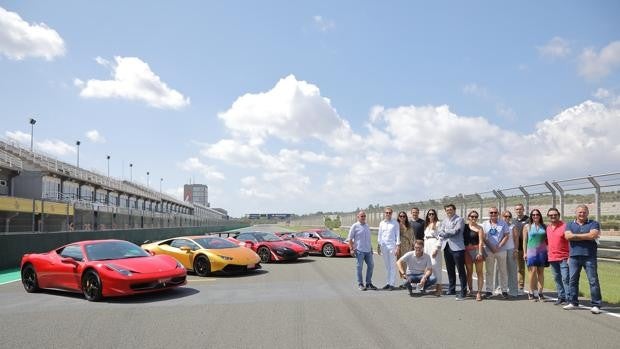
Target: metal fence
[(601, 193)]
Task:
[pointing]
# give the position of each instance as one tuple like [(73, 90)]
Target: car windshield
[(114, 250), (215, 243), (267, 237), (328, 234)]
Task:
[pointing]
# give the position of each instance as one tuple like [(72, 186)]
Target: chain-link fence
[(600, 193)]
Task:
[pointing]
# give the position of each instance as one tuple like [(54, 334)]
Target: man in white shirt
[(418, 268), (496, 234), (388, 240)]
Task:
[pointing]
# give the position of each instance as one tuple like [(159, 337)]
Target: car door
[(172, 248), (67, 267), (309, 239)]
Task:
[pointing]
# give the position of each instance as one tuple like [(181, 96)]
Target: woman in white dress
[(432, 246)]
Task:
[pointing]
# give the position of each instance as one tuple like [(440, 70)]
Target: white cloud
[(18, 136), (607, 96), (475, 90), (408, 153), (56, 147), (134, 80), (555, 48), (323, 24), (595, 65), (19, 40), (95, 137), (194, 164), (293, 110)]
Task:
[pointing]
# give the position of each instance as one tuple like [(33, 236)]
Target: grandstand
[(41, 193)]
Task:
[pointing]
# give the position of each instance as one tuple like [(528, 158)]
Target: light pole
[(77, 143), (147, 178), (32, 122), (160, 181), (130, 171), (108, 157)]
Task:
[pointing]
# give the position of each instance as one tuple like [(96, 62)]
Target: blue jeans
[(415, 278), (574, 267), (559, 269), (362, 257)]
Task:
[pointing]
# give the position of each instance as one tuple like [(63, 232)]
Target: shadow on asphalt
[(175, 293), (241, 275), (158, 296)]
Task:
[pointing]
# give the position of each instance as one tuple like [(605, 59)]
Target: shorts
[(472, 252)]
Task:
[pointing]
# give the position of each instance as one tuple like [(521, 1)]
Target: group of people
[(497, 251)]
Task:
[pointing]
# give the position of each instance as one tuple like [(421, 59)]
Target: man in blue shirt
[(361, 248), (582, 235)]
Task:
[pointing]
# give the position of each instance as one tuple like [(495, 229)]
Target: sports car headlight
[(118, 269), (226, 258)]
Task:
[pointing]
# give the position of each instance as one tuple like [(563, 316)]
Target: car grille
[(153, 285)]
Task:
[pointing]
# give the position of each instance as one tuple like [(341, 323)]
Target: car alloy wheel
[(328, 250), (202, 266), (91, 286), (264, 254), (29, 279)]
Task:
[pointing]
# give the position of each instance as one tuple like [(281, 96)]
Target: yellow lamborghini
[(206, 254)]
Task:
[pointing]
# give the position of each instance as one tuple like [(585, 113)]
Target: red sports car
[(270, 247), (325, 242), (101, 268)]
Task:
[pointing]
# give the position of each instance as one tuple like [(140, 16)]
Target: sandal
[(478, 296)]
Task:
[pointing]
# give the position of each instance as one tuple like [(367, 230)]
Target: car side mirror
[(186, 249), (150, 252), (68, 260)]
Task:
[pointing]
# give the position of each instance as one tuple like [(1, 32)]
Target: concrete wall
[(13, 246)]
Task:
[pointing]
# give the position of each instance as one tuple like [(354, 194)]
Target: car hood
[(238, 254), (150, 264)]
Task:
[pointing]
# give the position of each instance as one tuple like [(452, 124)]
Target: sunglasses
[(553, 215), (535, 214), (507, 216), (473, 217), (402, 216), (492, 212), (430, 214)]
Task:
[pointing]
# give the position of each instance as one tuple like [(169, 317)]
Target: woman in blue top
[(535, 254)]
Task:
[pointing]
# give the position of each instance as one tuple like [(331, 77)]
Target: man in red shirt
[(557, 251)]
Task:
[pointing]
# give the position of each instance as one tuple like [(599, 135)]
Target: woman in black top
[(473, 234)]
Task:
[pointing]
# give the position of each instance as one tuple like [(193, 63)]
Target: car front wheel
[(264, 254), (29, 279), (91, 286), (202, 266), (328, 250)]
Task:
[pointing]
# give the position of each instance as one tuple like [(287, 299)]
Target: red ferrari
[(270, 247), (101, 268), (325, 242)]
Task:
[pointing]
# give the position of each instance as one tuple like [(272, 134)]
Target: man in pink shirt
[(557, 251)]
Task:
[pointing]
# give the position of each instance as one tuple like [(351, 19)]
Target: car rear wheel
[(91, 286), (328, 250), (264, 254), (29, 279), (202, 266)]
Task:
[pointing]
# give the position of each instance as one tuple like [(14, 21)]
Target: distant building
[(196, 193)]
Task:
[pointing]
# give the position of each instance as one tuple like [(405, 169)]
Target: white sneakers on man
[(570, 306), (595, 310)]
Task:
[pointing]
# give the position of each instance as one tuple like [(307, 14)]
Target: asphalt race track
[(313, 303)]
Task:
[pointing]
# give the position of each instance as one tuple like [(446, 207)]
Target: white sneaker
[(595, 310), (570, 306)]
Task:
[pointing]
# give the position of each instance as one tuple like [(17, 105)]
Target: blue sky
[(284, 106)]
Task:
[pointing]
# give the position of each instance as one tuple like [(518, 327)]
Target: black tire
[(264, 254), (328, 250), (202, 266), (91, 286), (29, 279)]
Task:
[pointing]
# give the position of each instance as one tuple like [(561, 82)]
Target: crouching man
[(416, 268)]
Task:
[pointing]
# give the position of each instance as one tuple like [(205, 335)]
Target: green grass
[(610, 283)]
